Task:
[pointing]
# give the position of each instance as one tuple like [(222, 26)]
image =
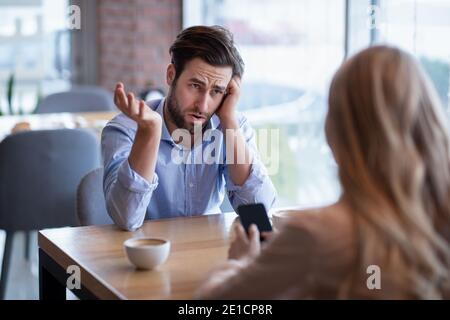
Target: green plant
[(38, 97), (9, 92)]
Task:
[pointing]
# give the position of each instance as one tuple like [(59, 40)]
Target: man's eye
[(195, 86), (216, 92)]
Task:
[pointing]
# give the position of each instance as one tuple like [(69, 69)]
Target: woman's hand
[(243, 246)]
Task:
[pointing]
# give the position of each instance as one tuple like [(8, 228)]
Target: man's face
[(197, 93)]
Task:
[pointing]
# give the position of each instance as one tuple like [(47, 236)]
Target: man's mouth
[(196, 117)]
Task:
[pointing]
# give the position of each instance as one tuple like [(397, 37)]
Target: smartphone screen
[(254, 214)]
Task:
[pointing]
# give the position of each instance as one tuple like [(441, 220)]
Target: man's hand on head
[(145, 117), (227, 110)]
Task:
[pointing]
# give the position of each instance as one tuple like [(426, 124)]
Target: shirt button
[(191, 184)]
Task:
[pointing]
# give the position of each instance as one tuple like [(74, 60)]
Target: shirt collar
[(165, 135)]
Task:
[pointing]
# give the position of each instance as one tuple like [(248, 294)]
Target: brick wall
[(134, 37)]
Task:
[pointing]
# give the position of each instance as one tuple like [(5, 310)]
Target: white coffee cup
[(147, 253)]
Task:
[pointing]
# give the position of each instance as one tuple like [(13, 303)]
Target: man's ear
[(170, 74)]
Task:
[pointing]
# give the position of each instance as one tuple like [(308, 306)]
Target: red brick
[(134, 37)]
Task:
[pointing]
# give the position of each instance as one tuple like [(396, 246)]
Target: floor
[(23, 278)]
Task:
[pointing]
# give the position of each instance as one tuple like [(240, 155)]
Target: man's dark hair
[(214, 45)]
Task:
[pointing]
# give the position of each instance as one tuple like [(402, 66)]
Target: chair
[(91, 206), (39, 173), (79, 99)]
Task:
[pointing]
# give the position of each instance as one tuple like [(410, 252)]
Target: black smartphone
[(254, 214)]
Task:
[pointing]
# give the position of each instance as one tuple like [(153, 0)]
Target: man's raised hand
[(145, 117)]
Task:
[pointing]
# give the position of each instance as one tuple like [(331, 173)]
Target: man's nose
[(202, 103)]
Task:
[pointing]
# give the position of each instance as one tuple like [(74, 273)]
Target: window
[(421, 27), (291, 49), (34, 49)]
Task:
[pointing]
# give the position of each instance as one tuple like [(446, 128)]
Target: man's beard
[(177, 116)]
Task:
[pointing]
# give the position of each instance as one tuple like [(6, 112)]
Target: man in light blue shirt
[(177, 156)]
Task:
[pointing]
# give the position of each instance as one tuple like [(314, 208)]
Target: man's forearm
[(144, 152), (239, 168)]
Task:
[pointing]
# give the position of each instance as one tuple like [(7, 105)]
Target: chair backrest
[(91, 206), (82, 99), (39, 174)]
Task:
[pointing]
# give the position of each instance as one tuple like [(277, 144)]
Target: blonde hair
[(390, 141)]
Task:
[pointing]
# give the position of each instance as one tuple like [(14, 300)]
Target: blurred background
[(291, 49)]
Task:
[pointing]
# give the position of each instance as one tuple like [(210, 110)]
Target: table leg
[(53, 280), (50, 274)]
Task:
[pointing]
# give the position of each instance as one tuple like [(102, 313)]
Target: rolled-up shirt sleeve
[(258, 187), (127, 194)]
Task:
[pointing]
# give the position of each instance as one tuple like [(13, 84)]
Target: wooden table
[(91, 120), (197, 245)]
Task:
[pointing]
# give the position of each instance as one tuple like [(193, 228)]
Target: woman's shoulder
[(331, 221)]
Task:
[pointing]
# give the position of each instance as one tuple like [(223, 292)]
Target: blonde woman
[(390, 141)]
